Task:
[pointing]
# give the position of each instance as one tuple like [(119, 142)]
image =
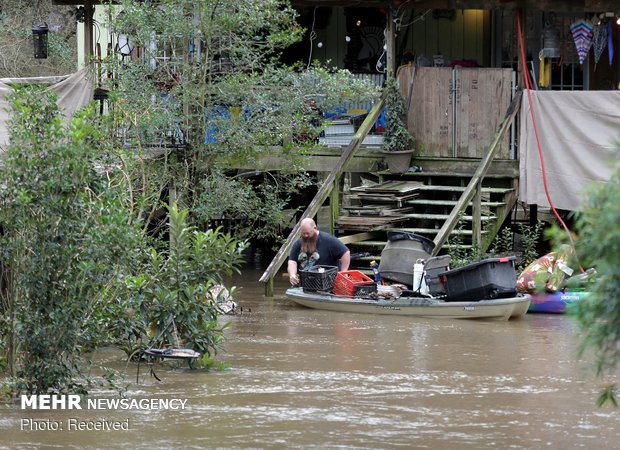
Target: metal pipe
[(454, 111), (513, 137)]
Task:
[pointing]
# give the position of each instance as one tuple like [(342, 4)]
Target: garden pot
[(398, 161)]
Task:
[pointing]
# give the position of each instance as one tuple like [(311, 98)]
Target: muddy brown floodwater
[(301, 378)]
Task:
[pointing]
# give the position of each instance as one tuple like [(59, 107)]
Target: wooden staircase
[(420, 203), (433, 214)]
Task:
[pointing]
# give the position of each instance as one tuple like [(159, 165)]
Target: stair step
[(369, 243), (436, 230), (444, 217), (437, 187), (422, 201), (369, 258), (448, 175)]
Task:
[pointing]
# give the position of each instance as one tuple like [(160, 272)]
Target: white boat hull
[(501, 308)]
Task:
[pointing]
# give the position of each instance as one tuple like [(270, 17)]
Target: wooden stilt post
[(89, 11), (476, 220), (334, 205)]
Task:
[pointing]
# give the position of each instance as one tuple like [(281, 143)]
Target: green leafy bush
[(598, 246), (67, 242), (178, 296)]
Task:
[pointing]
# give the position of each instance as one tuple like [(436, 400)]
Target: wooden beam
[(485, 163), (324, 190), (359, 237), (578, 6), (574, 6), (334, 203), (89, 12), (476, 220)]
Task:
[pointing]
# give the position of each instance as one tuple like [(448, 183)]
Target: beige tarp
[(73, 92), (580, 138), (4, 115)]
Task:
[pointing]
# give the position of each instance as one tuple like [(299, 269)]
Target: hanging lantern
[(125, 46), (39, 37)]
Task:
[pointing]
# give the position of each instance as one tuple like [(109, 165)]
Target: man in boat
[(316, 247)]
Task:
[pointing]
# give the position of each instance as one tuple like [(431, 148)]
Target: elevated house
[(514, 106)]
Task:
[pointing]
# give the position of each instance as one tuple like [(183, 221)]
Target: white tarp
[(579, 134), (73, 92)]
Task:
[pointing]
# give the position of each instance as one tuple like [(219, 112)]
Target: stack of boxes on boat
[(486, 279), (351, 283)]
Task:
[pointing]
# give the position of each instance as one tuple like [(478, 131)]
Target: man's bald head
[(309, 235), (307, 226)]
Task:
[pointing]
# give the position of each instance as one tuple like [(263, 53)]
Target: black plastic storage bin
[(432, 268), (487, 279), (313, 279)]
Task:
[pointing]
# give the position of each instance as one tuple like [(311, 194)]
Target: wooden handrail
[(476, 179), (321, 195)]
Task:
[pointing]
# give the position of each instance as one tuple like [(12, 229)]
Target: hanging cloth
[(599, 41), (582, 35), (544, 72)]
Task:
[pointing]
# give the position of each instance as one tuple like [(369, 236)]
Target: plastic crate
[(487, 279), (354, 283), (318, 278), (432, 268)]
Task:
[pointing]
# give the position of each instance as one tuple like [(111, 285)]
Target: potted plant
[(397, 141)]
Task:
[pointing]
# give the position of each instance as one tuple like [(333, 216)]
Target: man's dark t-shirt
[(329, 248)]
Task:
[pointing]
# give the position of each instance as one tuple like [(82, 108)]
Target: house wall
[(465, 37), (336, 49)]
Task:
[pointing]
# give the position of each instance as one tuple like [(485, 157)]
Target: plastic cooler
[(354, 283), (432, 268), (318, 278), (486, 279)]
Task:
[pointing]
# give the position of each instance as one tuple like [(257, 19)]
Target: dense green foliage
[(79, 204), (598, 244), (503, 245), (228, 102), (79, 270), (177, 299), (67, 240)]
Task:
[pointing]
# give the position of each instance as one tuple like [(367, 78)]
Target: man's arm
[(292, 272), (345, 260)]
